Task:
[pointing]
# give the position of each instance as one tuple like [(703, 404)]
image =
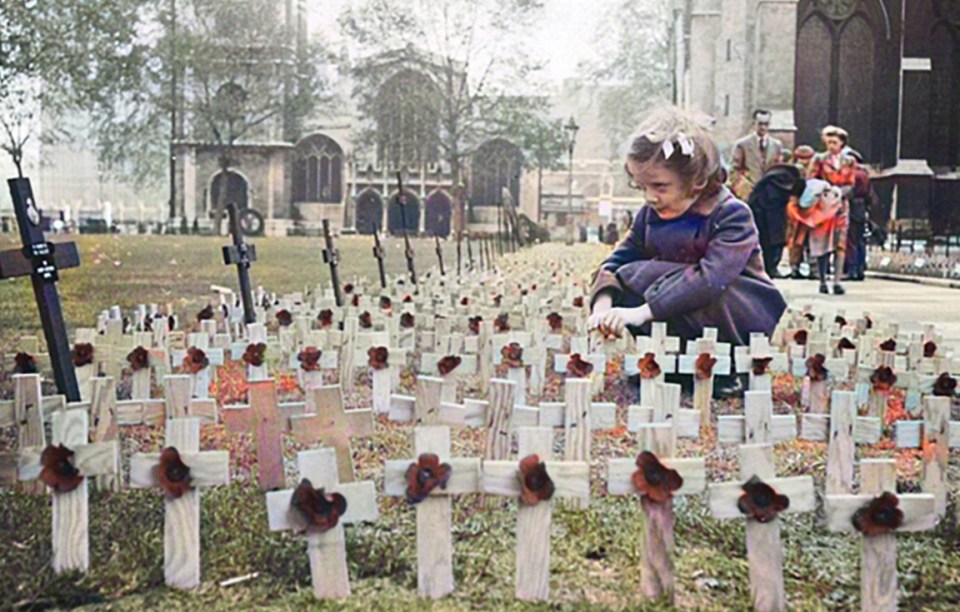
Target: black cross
[(439, 254), (378, 254), (332, 256), (42, 260), (241, 255)]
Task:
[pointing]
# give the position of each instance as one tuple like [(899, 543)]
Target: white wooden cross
[(333, 425), (936, 434), (759, 357), (384, 379), (758, 498), (26, 414), (434, 513), (876, 395), (257, 334), (652, 368), (704, 359), (70, 428), (819, 372), (326, 545), (842, 430), (181, 525), (506, 478), (179, 402), (872, 510), (758, 423), (516, 373), (623, 475), (200, 387), (430, 365), (597, 361)]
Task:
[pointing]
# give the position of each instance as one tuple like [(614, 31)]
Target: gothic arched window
[(318, 170)]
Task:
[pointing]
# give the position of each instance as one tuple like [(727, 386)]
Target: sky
[(564, 38)]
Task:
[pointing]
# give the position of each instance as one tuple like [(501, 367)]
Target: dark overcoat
[(768, 203)]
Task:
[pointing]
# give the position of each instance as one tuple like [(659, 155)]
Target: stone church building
[(297, 176), (888, 71)]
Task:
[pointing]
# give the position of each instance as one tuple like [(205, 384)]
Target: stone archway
[(369, 212), (408, 216), (438, 210), (237, 190)]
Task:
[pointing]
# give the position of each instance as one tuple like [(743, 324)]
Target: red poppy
[(325, 318), (138, 358), (578, 301), (868, 322), (760, 502), (356, 300), (846, 344), (497, 298), (533, 287), (385, 302), (464, 301), (535, 484), (407, 299), (816, 369), (284, 318), (555, 321), (703, 367), (426, 475), (945, 386), (309, 358), (800, 337), (655, 480), (82, 354), (377, 357), (195, 360), (406, 320), (840, 321), (448, 364), (648, 366), (320, 510), (206, 314), (512, 355), (761, 365), (878, 516), (929, 349), (148, 325), (24, 363), (577, 367), (58, 471), (501, 323), (366, 321), (883, 379), (810, 317), (172, 474), (255, 353), (889, 345), (348, 288), (473, 324)]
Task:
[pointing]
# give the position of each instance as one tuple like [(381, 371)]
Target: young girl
[(692, 257), (821, 211)]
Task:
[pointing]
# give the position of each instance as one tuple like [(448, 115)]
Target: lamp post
[(572, 128)]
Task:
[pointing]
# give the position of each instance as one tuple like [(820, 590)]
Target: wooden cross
[(936, 434), (469, 364), (759, 351), (42, 261), (326, 547), (241, 255), (700, 354), (434, 514), (179, 402), (70, 428), (758, 423), (878, 545), (732, 500), (816, 385), (569, 480), (665, 410), (656, 565), (842, 430), (200, 387), (181, 525), (666, 363), (333, 426), (264, 418)]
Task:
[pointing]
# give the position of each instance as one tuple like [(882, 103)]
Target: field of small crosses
[(596, 550)]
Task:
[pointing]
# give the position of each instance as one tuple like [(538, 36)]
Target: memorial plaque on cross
[(241, 255), (42, 261)]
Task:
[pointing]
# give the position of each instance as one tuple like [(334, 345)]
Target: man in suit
[(753, 155)]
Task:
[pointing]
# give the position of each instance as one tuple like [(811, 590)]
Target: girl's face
[(665, 190), (834, 144)]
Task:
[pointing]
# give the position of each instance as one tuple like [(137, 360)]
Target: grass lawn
[(596, 552)]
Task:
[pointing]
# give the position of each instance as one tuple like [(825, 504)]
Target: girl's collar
[(706, 205)]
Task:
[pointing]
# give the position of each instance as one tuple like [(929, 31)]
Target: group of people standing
[(812, 204)]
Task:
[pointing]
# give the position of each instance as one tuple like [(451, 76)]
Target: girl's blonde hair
[(670, 137)]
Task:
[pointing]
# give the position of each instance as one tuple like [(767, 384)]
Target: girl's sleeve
[(693, 287)]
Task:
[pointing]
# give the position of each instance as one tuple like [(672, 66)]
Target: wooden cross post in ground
[(179, 403), (652, 368), (760, 497), (315, 508), (656, 475), (382, 375), (42, 261), (180, 470), (819, 371), (241, 255), (65, 467), (842, 430), (26, 414), (199, 363), (535, 480), (705, 359), (257, 334), (878, 513), (665, 410), (451, 368), (759, 359), (428, 481), (333, 426), (936, 434), (758, 424)]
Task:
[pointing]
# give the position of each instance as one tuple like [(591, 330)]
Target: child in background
[(692, 257), (821, 209)]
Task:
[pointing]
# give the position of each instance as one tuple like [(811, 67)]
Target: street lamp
[(572, 128)]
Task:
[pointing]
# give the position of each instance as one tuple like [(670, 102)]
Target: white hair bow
[(685, 143)]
